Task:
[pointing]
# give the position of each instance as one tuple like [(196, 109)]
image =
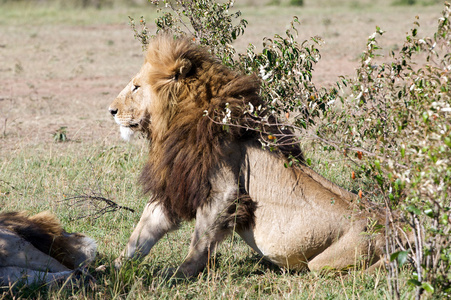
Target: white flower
[(267, 76), (251, 108), (228, 115)]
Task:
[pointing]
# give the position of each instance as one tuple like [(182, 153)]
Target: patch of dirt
[(63, 77), (66, 76)]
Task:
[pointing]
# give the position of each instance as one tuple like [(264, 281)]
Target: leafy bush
[(285, 68), (399, 115), (207, 22), (393, 120)]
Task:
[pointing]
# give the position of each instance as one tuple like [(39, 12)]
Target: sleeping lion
[(37, 250), (198, 168)]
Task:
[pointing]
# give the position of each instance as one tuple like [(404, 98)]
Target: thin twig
[(111, 206), (180, 17), (304, 134), (95, 197)]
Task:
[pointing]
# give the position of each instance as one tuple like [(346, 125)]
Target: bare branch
[(292, 138), (97, 202), (94, 197)]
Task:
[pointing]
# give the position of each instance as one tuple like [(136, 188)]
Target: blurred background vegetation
[(110, 3)]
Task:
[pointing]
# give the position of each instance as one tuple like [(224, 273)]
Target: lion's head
[(176, 76), (179, 83), (131, 107)]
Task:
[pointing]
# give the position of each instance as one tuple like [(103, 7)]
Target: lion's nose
[(113, 111)]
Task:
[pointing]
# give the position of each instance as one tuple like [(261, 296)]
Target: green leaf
[(425, 116), (427, 287), (444, 219), (309, 161), (398, 184), (400, 256), (413, 210), (429, 212), (448, 141), (377, 164), (379, 179), (414, 282)]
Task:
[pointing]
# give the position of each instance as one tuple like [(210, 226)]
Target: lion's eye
[(135, 88)]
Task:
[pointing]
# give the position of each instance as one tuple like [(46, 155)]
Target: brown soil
[(54, 76)]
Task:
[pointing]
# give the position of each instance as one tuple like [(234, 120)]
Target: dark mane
[(40, 235), (181, 157)]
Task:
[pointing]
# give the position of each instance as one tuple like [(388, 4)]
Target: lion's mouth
[(127, 124)]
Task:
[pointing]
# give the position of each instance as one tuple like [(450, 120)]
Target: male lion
[(224, 179), (36, 249)]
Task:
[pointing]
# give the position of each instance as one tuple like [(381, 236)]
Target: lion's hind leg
[(352, 250)]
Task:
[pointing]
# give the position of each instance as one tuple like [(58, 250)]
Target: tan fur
[(36, 249), (224, 178)]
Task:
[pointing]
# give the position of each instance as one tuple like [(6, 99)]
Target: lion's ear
[(185, 67)]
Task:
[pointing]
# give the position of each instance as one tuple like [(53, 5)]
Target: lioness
[(224, 179), (36, 249)]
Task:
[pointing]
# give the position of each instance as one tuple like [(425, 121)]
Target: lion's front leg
[(211, 228), (152, 226)]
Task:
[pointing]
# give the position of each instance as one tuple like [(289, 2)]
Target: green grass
[(41, 178)]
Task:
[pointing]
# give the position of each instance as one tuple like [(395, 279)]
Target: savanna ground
[(60, 67)]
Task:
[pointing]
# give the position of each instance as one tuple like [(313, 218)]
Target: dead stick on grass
[(111, 206), (95, 197)]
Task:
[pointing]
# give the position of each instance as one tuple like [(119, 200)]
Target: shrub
[(399, 115)]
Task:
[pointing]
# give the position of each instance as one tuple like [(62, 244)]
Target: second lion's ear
[(185, 67)]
